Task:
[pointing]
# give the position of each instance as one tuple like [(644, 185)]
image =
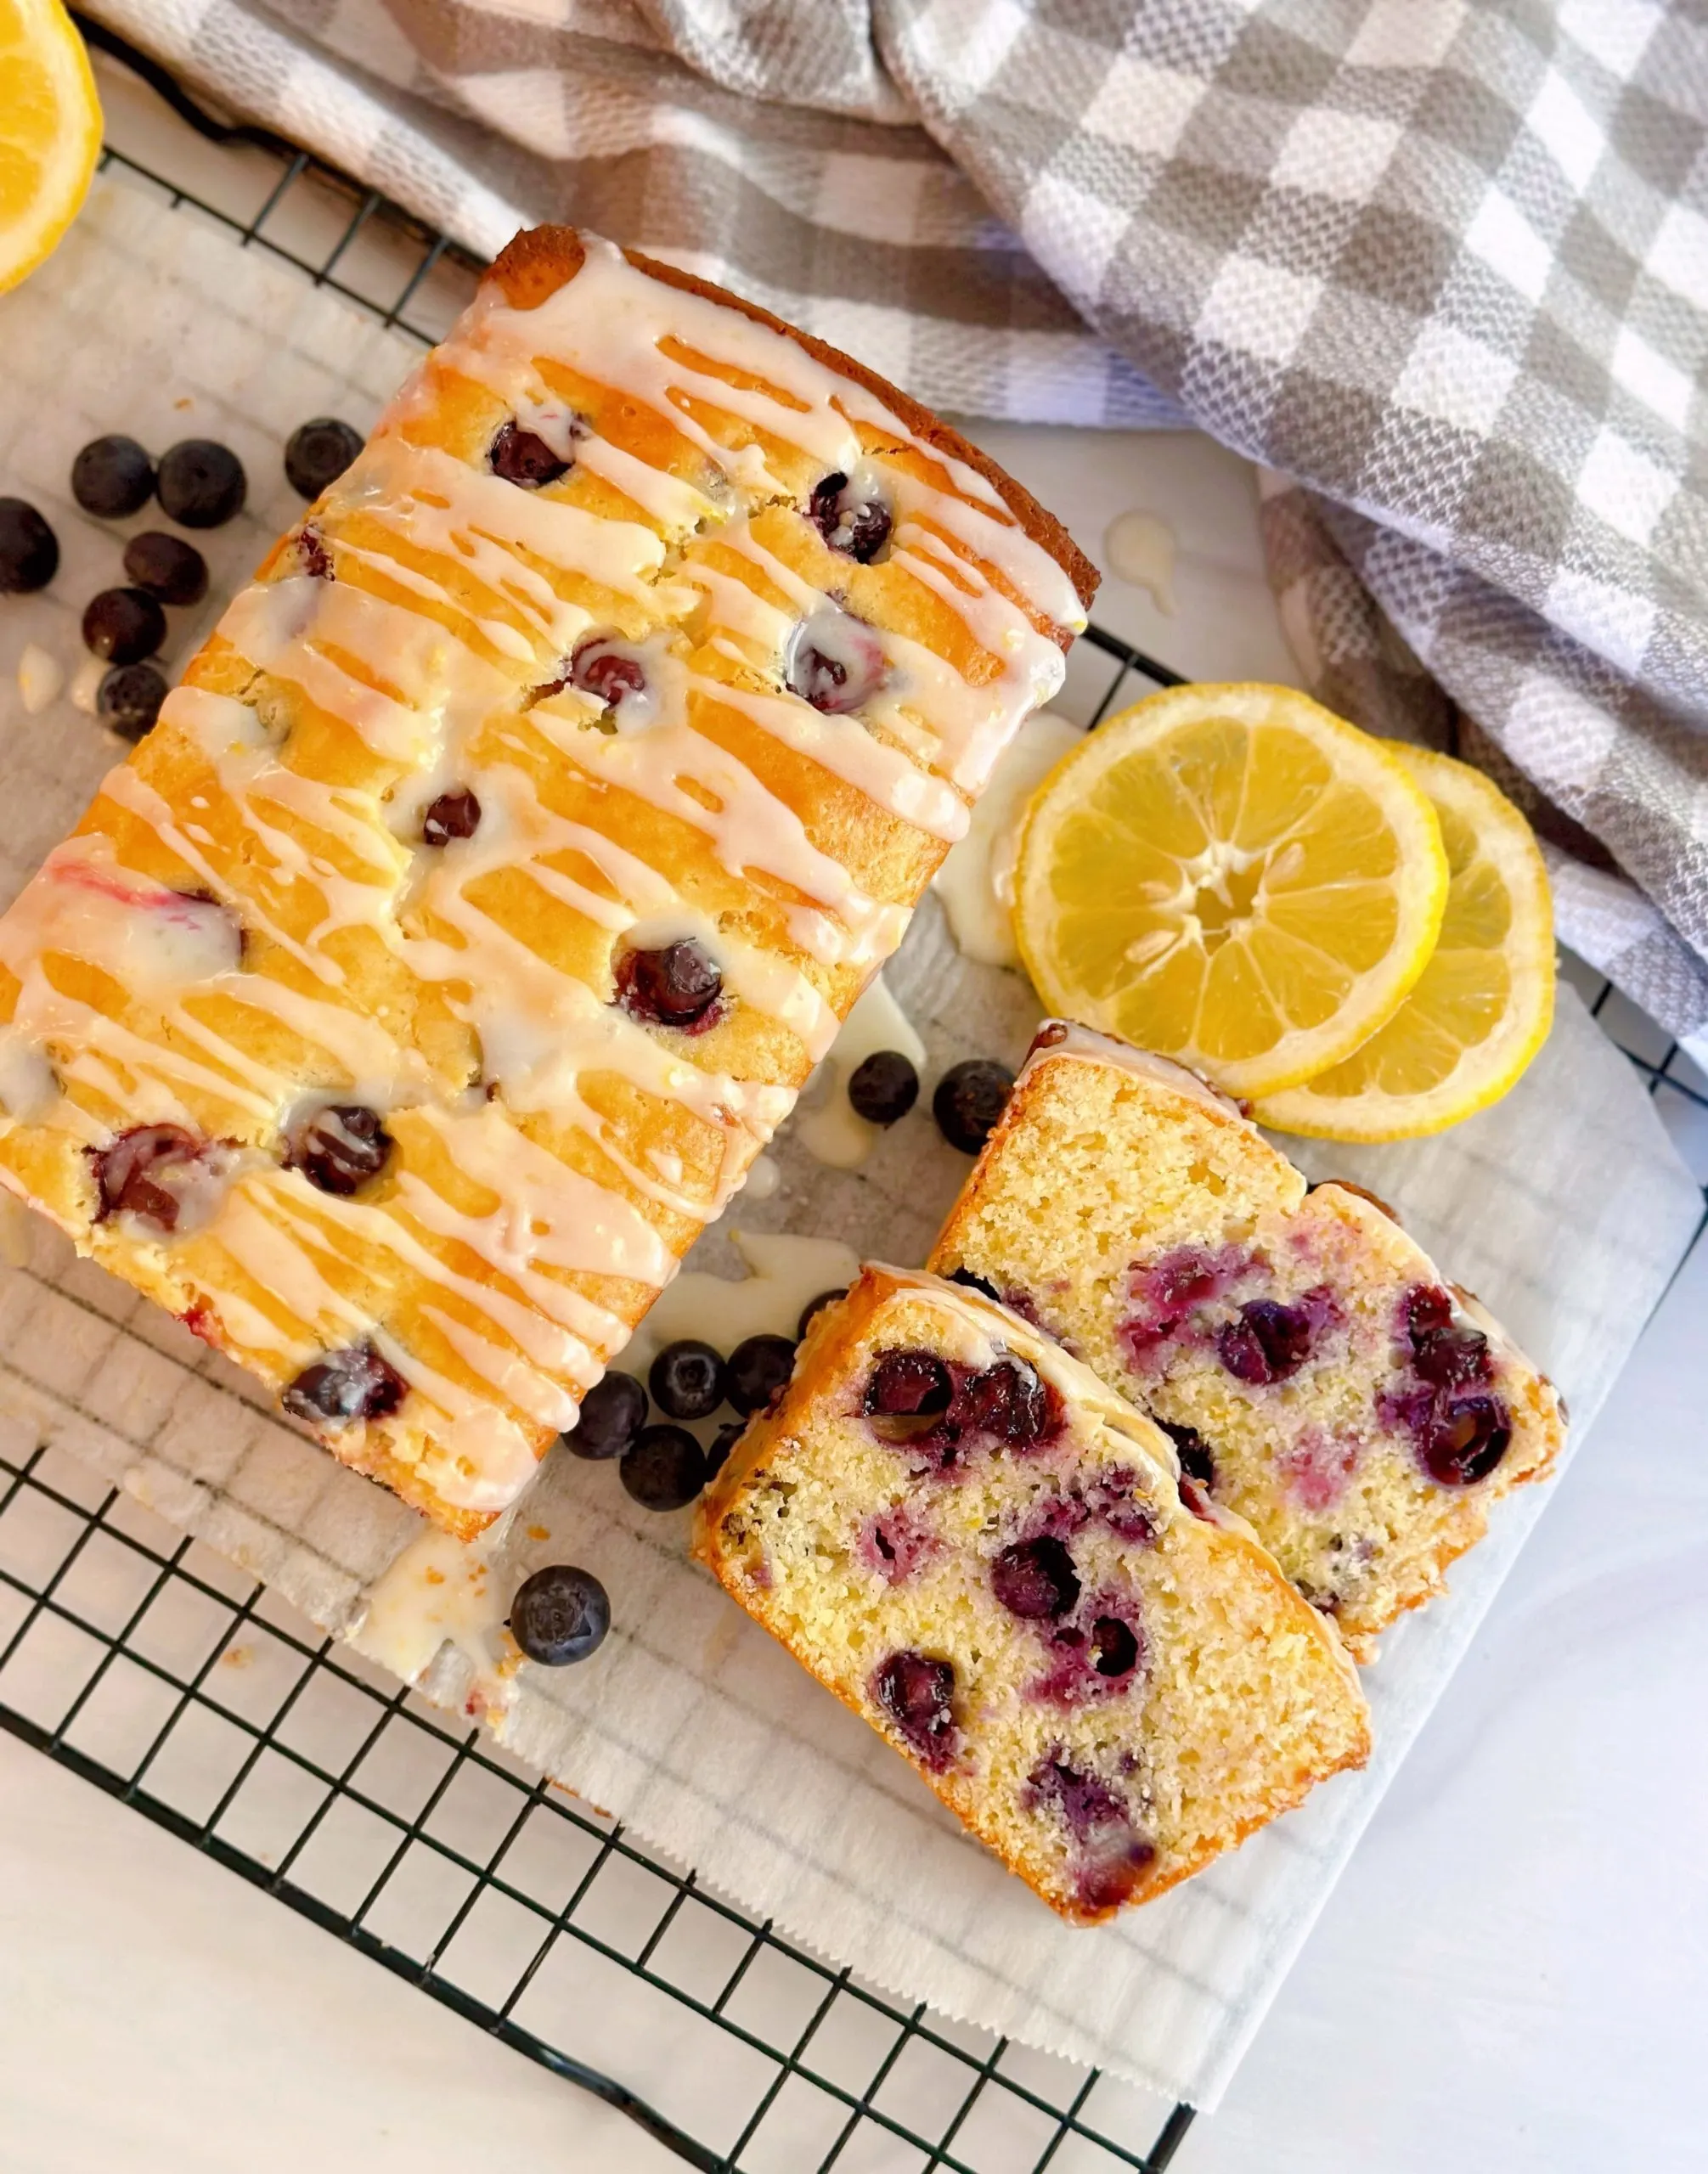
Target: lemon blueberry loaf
[(1317, 1375), (405, 1005), (983, 1550)]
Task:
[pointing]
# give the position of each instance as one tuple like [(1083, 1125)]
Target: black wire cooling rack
[(148, 1665)]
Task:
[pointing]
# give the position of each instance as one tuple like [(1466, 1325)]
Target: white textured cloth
[(1444, 264)]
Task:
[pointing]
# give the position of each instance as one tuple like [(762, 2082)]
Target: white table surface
[(1512, 1976)]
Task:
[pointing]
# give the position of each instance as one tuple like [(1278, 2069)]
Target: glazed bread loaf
[(1316, 1374), (980, 1548), (409, 1001)]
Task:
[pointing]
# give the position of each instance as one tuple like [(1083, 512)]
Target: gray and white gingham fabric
[(1444, 265)]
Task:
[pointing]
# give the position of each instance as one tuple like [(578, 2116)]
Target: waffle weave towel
[(1442, 266)]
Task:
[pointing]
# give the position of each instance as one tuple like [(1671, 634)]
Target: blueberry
[(917, 1693), (608, 669), (1036, 1578), (664, 1468), (311, 554), (884, 1087), (612, 1413), (559, 1614), (1446, 1353), (317, 453), (1011, 1401), (904, 1384), (129, 699), (973, 1282), (834, 662), (166, 567), (1197, 1461), (848, 522), (815, 1305), (723, 1442), (128, 1174), (968, 1102), (453, 814), (758, 1367), (29, 549), (1115, 1646), (687, 1379), (1467, 1441), (522, 458), (1266, 1343), (112, 476), (201, 484), (346, 1386), (340, 1147), (124, 625), (678, 986)]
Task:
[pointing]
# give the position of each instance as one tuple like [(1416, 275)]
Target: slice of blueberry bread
[(980, 1548), (1317, 1374)]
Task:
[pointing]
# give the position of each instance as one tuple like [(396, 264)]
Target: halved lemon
[(1233, 877), (1481, 1008), (50, 132)]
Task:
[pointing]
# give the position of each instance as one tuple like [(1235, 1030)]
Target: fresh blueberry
[(848, 522), (201, 484), (758, 1367), (1197, 1462), (124, 625), (129, 1173), (678, 986), (815, 1305), (129, 699), (969, 1100), (112, 476), (906, 1384), (453, 814), (559, 1614), (687, 1379), (346, 1386), (340, 1147), (1467, 1441), (723, 1442), (1036, 1578), (973, 1282), (29, 549), (917, 1693), (317, 453), (522, 458), (612, 1413), (884, 1087), (1266, 1343), (166, 567), (1115, 1646), (664, 1468)]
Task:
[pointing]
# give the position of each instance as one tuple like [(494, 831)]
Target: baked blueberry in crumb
[(965, 1275), (112, 476), (123, 625), (664, 1468), (917, 1693), (1116, 1858), (1467, 1440), (1114, 1646), (612, 1413), (453, 814), (607, 669), (1266, 1342), (1447, 1353), (1036, 1578), (849, 520), (559, 1614), (678, 986), (339, 1148), (167, 567), (317, 453), (312, 553), (519, 457), (29, 549), (156, 1172), (834, 662), (201, 484), (757, 1368), (969, 1100), (687, 1379), (1197, 1462), (129, 698), (816, 1305), (346, 1386), (1011, 1401), (884, 1087), (907, 1384)]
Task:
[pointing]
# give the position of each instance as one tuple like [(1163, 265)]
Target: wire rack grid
[(148, 1665)]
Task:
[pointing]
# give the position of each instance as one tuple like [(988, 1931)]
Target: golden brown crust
[(539, 259)]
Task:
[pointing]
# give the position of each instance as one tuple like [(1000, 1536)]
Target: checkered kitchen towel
[(1443, 265)]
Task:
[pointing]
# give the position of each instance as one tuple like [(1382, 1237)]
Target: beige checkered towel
[(1444, 264)]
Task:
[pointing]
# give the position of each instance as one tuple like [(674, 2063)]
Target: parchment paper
[(1564, 1208)]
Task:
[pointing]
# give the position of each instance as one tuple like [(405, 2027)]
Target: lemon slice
[(50, 132), (1233, 877), (1481, 1008)]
